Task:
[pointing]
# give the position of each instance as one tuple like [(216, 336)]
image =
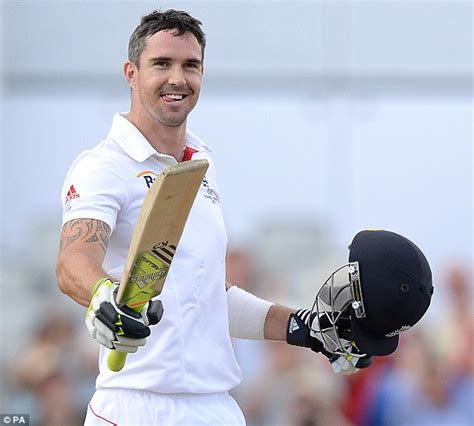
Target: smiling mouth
[(168, 97)]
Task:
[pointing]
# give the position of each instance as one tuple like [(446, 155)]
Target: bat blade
[(156, 236)]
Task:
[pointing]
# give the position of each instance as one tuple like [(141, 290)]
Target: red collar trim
[(188, 153)]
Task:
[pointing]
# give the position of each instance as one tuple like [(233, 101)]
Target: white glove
[(348, 364), (119, 327), (322, 329)]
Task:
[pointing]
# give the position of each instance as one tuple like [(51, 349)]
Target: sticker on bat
[(164, 251), (148, 269)]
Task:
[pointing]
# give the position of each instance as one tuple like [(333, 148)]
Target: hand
[(348, 364), (351, 361), (299, 333), (119, 327)]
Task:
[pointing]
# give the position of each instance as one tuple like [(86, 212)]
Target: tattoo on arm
[(86, 231)]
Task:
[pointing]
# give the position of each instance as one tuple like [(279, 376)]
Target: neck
[(165, 139)]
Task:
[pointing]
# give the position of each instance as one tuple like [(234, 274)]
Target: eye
[(192, 66), (161, 64)]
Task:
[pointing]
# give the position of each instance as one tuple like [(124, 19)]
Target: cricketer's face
[(166, 84)]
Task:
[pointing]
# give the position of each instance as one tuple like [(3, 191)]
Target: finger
[(134, 329), (104, 341), (107, 310), (154, 312), (104, 330), (126, 341), (90, 326), (343, 365), (323, 322), (129, 311), (126, 349), (108, 316)]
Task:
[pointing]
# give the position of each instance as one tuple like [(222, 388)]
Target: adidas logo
[(72, 193), (293, 326)]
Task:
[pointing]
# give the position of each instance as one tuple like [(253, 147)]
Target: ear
[(130, 72)]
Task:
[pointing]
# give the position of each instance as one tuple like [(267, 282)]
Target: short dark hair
[(155, 21)]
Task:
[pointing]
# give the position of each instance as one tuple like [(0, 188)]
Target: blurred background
[(325, 118)]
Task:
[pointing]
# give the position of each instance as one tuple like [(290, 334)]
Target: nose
[(176, 76)]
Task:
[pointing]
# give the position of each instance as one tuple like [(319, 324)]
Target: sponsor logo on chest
[(149, 177)]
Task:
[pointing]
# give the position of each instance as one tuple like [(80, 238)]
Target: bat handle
[(116, 360)]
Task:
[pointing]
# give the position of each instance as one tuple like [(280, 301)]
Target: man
[(184, 372)]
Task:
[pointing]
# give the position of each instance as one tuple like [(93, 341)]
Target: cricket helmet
[(385, 289)]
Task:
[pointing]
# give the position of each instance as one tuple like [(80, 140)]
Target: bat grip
[(116, 360)]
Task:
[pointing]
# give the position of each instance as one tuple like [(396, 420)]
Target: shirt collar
[(131, 140)]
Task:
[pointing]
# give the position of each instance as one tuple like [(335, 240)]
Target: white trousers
[(126, 407)]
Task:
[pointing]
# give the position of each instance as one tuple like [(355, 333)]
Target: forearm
[(276, 322), (82, 250), (76, 275), (253, 318)]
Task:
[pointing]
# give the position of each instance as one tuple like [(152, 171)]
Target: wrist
[(101, 281), (99, 293), (297, 332)]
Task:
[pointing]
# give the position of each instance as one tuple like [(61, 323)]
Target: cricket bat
[(155, 238)]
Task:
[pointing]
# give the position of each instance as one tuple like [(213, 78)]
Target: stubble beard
[(171, 120)]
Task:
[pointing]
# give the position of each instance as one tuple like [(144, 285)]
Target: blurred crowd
[(52, 377), (428, 381)]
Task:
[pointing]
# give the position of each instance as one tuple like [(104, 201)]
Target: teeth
[(175, 97)]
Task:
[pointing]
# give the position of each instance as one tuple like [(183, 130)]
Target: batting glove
[(299, 333), (119, 327)]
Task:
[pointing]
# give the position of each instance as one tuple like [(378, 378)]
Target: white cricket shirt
[(190, 349)]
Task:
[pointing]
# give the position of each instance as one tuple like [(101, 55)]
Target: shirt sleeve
[(93, 189)]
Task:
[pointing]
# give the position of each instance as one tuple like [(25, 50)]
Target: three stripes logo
[(72, 193), (293, 325)]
